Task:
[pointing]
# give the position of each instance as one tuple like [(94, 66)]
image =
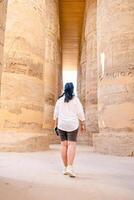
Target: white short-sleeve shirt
[(69, 113)]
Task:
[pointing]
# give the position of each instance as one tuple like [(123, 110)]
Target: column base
[(23, 142), (54, 139), (120, 144), (83, 139)]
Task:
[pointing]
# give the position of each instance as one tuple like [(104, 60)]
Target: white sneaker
[(70, 171), (65, 171)]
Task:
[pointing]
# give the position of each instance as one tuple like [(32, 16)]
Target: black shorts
[(68, 135)]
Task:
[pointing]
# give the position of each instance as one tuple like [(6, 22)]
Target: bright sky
[(70, 76)]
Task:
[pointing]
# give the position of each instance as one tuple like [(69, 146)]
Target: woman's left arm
[(55, 116)]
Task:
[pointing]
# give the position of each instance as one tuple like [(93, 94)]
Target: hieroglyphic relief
[(128, 72)]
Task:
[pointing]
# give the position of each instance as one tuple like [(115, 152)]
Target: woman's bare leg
[(71, 152), (64, 148)]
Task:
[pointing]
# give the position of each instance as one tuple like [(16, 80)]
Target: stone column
[(3, 9), (91, 69), (21, 114), (81, 76), (115, 37), (83, 72), (82, 138), (52, 65), (88, 63)]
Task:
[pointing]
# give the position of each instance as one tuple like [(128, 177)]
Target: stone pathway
[(37, 176)]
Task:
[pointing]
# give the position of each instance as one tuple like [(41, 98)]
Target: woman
[(67, 114)]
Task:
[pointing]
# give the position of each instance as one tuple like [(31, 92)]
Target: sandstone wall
[(115, 39), (29, 77), (52, 66)]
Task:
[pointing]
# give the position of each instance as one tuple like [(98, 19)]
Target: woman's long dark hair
[(68, 92)]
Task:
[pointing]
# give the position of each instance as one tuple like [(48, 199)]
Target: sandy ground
[(37, 176)]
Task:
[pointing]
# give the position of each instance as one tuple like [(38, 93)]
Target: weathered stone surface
[(22, 77), (115, 37), (24, 142), (31, 73), (115, 143), (91, 68), (82, 138), (88, 68), (52, 69)]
